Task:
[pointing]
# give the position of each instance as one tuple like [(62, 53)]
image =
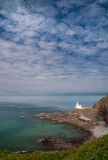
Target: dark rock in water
[(49, 139), (102, 108), (22, 116), (55, 143)]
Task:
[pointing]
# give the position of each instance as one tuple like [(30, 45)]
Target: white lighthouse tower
[(78, 106)]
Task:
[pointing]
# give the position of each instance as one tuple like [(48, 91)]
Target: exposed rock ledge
[(73, 118)]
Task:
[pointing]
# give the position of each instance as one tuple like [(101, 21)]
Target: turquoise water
[(17, 134)]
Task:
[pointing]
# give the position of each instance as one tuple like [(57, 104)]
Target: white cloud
[(53, 48)]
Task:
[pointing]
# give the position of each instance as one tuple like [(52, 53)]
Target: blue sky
[(53, 46)]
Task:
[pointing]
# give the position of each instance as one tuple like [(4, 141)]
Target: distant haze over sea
[(53, 93)]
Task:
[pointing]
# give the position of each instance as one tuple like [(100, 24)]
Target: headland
[(94, 121)]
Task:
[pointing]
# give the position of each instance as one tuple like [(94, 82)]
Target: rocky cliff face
[(102, 108)]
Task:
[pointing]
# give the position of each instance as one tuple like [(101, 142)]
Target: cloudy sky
[(53, 46)]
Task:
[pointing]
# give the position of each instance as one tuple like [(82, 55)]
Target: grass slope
[(95, 150)]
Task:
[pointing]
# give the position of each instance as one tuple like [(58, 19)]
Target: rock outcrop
[(42, 115), (101, 108), (55, 143)]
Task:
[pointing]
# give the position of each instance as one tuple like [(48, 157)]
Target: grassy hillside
[(95, 150)]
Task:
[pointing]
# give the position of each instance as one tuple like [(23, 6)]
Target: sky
[(53, 46)]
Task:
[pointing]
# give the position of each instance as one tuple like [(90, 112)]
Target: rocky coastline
[(71, 119), (89, 120)]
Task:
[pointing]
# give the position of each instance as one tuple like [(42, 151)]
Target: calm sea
[(17, 134)]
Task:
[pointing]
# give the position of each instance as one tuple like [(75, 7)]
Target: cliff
[(101, 108)]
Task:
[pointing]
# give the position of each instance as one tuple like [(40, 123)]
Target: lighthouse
[(78, 106)]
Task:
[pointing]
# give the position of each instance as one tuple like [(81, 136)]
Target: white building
[(78, 106)]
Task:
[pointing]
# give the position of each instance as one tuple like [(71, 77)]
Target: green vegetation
[(95, 150)]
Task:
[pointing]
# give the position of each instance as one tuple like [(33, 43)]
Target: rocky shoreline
[(88, 120), (71, 119)]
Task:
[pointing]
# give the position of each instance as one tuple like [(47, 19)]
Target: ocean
[(24, 134)]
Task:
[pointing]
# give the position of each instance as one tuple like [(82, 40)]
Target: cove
[(24, 134)]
